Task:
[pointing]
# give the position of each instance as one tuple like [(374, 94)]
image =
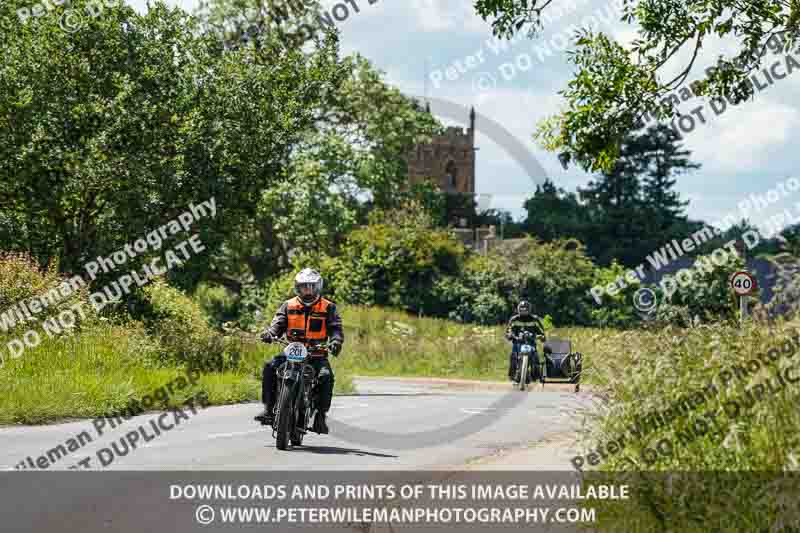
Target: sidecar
[(561, 364)]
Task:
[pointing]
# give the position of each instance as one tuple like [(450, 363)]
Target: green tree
[(702, 294), (381, 125), (662, 159), (617, 214), (555, 277), (617, 310), (351, 162), (119, 126), (791, 239), (615, 86), (633, 207), (239, 23), (553, 213), (396, 261)]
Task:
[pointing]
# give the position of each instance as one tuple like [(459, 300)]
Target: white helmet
[(308, 286)]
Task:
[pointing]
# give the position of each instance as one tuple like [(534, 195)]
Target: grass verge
[(709, 413)]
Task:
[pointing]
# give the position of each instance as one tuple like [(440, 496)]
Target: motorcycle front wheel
[(285, 417), (302, 422), (523, 373)]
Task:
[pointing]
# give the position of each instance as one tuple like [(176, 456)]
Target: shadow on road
[(333, 450), (368, 394)]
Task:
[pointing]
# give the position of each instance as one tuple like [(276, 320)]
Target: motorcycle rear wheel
[(285, 417)]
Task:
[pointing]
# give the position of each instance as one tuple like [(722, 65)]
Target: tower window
[(450, 173)]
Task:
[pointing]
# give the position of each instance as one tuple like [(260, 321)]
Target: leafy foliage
[(701, 294), (395, 261), (22, 278), (614, 86), (119, 126), (633, 208), (351, 162), (553, 213), (617, 310), (218, 303), (791, 237), (626, 212), (242, 22), (182, 329)]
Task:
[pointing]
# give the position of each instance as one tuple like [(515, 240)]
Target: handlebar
[(313, 348), (522, 337)]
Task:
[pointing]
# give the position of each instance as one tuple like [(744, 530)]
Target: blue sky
[(748, 149)]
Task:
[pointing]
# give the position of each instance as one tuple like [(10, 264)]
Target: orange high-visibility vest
[(313, 321)]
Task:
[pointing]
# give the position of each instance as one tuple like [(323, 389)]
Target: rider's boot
[(266, 417), (320, 426)]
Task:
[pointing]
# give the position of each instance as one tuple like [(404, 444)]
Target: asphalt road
[(227, 438)]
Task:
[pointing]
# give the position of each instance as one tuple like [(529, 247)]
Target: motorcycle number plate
[(526, 348), (296, 352)]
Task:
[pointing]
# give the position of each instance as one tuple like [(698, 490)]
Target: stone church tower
[(448, 161)]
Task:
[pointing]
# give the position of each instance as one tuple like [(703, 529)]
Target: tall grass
[(733, 462), (381, 342)]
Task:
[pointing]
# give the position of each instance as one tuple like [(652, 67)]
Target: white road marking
[(477, 410), (350, 406), (232, 434)]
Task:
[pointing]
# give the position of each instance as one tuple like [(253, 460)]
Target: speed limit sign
[(743, 283)]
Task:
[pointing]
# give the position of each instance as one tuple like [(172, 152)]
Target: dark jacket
[(519, 323), (333, 322)]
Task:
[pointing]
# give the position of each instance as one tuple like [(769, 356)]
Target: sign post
[(743, 284)]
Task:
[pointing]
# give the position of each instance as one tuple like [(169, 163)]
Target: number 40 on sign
[(743, 283)]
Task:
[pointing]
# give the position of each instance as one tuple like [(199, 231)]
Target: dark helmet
[(524, 308), (308, 286)]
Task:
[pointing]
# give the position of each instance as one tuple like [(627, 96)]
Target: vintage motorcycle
[(297, 394), (527, 358)]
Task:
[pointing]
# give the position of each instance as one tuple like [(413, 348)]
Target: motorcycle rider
[(523, 321), (311, 319)]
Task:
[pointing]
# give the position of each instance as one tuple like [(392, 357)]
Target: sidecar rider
[(318, 320), (523, 321)]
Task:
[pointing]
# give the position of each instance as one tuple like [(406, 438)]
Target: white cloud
[(441, 15), (744, 138)]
